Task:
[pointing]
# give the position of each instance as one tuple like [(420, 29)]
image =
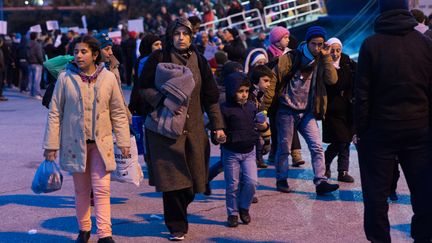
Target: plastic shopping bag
[(47, 178), (137, 127), (128, 168)]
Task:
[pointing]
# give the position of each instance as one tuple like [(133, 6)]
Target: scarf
[(275, 51), (336, 64), (84, 77)]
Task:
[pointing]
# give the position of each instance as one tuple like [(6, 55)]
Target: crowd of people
[(251, 97)]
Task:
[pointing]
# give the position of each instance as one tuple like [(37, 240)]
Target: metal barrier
[(289, 11), (292, 12), (250, 20)]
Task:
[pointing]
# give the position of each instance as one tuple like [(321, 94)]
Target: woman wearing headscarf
[(178, 167), (338, 127)]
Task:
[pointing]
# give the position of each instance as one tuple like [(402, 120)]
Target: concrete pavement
[(137, 213)]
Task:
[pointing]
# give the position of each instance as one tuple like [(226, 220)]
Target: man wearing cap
[(392, 117), (179, 167), (300, 90), (111, 63)]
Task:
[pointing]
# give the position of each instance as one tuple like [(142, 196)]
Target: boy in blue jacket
[(238, 151)]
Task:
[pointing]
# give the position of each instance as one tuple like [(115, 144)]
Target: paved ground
[(136, 211)]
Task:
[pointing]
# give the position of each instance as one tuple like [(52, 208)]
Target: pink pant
[(96, 178)]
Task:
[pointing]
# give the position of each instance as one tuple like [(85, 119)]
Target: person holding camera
[(300, 90)]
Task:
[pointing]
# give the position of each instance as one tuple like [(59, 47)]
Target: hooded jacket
[(393, 82), (239, 119)]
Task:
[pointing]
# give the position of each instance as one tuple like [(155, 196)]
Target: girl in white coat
[(86, 107)]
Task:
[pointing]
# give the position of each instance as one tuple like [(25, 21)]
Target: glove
[(261, 117)]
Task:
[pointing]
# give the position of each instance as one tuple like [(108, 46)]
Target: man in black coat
[(393, 118)]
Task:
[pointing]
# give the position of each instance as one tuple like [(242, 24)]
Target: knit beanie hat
[(315, 31), (104, 40), (386, 5), (277, 33)]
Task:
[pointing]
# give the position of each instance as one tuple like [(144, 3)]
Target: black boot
[(232, 221), (83, 237), (282, 186), (324, 187), (345, 177), (107, 239), (244, 215)]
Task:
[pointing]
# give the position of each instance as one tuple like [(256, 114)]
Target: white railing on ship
[(292, 13), (251, 18)]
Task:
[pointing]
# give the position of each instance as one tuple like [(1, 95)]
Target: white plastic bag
[(128, 168), (47, 178)]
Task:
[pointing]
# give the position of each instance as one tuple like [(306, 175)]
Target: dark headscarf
[(145, 47)]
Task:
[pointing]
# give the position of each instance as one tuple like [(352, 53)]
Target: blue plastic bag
[(137, 128), (47, 178)]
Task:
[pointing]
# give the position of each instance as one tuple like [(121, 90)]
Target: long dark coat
[(182, 163), (338, 122)]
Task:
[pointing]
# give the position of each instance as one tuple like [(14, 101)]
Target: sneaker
[(3, 98), (83, 237), (282, 186), (345, 177), (208, 190), (232, 221), (254, 200), (327, 173), (325, 187), (177, 236), (38, 97), (244, 215), (393, 196)]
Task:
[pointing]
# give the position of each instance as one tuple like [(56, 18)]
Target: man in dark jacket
[(35, 59), (393, 118)]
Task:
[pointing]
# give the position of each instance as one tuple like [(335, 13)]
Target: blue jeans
[(241, 178), (286, 121), (35, 74)]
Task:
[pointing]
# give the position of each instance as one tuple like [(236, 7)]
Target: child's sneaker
[(232, 221)]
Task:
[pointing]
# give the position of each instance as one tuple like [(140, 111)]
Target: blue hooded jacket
[(239, 119)]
